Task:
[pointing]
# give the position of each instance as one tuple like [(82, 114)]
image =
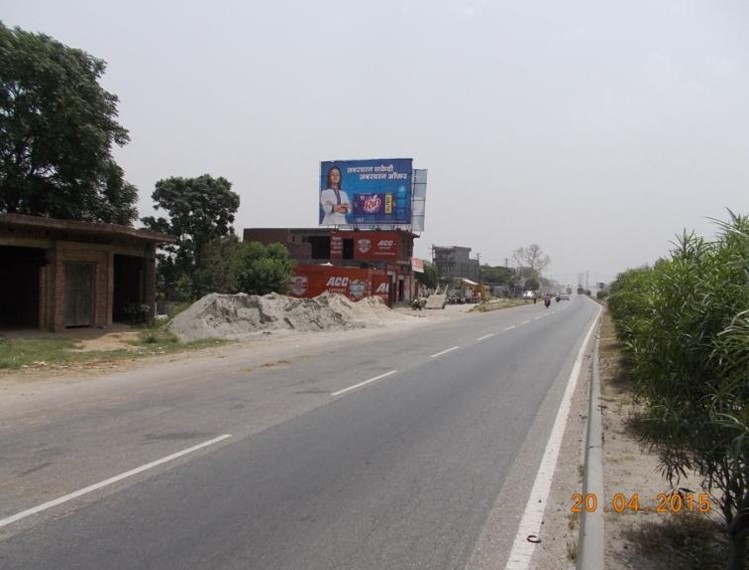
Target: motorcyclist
[(547, 299)]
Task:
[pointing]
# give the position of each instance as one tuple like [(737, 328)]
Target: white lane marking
[(510, 328), (538, 317), (486, 336), (444, 352), (526, 322), (74, 495), (360, 384), (530, 524)]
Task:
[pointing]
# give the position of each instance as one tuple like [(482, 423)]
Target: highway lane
[(397, 473)]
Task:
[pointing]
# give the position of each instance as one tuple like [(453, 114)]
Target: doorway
[(79, 294)]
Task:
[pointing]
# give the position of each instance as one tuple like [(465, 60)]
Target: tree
[(231, 266), (221, 268), (532, 284), (200, 210), (531, 257), (268, 269), (429, 277), (499, 274), (57, 128)]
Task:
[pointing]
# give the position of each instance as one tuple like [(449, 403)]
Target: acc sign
[(383, 288), (337, 282)]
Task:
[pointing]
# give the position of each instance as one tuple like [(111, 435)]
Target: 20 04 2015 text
[(623, 502)]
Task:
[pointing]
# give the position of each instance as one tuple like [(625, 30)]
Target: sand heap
[(242, 316)]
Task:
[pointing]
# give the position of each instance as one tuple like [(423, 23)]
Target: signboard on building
[(377, 245), (366, 193), (354, 283)]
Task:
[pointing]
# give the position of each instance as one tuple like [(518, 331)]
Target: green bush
[(684, 326)]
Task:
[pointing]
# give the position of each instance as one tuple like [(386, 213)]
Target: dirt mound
[(241, 316)]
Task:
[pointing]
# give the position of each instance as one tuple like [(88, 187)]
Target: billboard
[(366, 192)]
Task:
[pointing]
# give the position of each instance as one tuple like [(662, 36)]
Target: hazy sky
[(597, 129)]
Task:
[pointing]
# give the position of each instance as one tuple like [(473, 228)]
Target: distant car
[(563, 297), (529, 295)]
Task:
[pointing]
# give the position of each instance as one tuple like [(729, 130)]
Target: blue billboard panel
[(366, 192)]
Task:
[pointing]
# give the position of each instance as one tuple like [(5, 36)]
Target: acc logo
[(364, 245), (337, 282), (357, 288), (385, 243), (299, 285), (382, 288)]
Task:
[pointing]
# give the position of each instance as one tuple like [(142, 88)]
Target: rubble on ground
[(242, 316)]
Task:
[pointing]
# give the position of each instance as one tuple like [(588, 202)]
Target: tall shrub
[(684, 326)]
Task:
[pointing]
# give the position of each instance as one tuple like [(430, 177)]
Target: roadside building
[(62, 273), (455, 262), (356, 263)]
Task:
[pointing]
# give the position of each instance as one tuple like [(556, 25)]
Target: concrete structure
[(454, 262), (63, 273), (386, 255)]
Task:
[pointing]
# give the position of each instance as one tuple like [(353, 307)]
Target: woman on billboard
[(334, 201)]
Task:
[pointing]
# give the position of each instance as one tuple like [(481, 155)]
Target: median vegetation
[(684, 328)]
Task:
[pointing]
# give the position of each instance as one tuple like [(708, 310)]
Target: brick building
[(357, 263), (63, 273)]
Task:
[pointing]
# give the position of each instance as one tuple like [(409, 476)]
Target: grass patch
[(43, 353), (689, 541), (162, 339), (17, 353)]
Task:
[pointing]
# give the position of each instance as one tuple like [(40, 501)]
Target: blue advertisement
[(366, 192)]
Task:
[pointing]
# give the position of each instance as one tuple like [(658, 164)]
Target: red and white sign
[(381, 287), (299, 285), (352, 282), (378, 245), (417, 265)]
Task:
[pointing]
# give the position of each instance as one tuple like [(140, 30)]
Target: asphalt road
[(372, 452)]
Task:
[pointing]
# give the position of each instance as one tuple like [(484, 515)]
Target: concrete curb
[(590, 540)]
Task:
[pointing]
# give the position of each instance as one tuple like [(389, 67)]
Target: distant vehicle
[(563, 297), (529, 295)]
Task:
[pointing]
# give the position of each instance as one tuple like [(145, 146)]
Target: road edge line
[(523, 547)]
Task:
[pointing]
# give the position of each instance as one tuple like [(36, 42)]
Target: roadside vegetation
[(683, 326), (500, 303), (36, 353)]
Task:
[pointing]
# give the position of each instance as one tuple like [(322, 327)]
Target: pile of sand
[(242, 316)]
